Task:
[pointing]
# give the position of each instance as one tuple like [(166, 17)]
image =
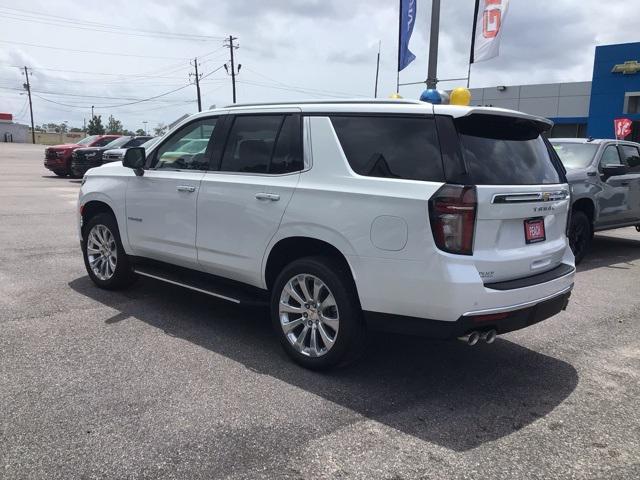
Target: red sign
[(491, 18), (622, 128), (6, 116)]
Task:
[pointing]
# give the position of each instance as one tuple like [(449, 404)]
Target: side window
[(263, 144), (186, 149), (610, 156), (631, 157), (391, 147), (287, 156)]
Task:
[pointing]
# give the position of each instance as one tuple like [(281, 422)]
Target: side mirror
[(614, 170), (135, 158)]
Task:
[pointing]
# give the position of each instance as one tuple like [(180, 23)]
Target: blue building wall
[(608, 88)]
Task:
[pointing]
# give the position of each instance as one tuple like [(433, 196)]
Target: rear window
[(391, 147), (501, 150)]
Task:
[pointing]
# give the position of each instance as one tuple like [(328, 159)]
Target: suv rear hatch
[(521, 196)]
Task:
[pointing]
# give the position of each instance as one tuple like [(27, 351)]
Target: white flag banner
[(490, 15)]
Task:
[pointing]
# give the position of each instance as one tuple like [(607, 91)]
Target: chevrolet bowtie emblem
[(627, 68)]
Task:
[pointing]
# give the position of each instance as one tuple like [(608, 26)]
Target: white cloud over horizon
[(289, 50)]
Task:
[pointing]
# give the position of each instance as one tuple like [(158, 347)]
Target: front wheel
[(316, 313), (107, 263), (580, 234)]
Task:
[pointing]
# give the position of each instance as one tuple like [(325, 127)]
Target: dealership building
[(580, 109)]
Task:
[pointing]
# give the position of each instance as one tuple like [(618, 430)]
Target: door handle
[(186, 188), (268, 196), (624, 184)]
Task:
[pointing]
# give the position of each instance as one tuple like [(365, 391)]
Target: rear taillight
[(452, 213)]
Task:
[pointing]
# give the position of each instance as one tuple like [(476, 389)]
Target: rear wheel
[(316, 313), (580, 234), (107, 263)]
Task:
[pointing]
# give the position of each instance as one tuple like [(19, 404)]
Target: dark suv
[(83, 159), (604, 175)]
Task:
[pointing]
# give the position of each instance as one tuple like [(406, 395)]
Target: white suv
[(397, 215)]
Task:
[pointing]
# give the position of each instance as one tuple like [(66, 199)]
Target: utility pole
[(92, 115), (375, 91), (197, 77), (432, 73), (145, 126), (231, 47), (27, 86)]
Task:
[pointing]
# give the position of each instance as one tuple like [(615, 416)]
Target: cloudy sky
[(109, 54)]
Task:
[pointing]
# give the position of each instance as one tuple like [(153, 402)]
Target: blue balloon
[(431, 95)]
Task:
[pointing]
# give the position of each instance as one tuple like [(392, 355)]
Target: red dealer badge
[(622, 128)]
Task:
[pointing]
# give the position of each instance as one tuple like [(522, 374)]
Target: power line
[(90, 51), (295, 87), (26, 15), (46, 69)]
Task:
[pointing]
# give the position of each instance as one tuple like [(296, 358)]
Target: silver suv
[(604, 176)]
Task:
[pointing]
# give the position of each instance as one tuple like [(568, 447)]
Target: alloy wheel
[(102, 252), (309, 315)]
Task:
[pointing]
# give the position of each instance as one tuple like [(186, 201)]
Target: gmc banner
[(489, 18)]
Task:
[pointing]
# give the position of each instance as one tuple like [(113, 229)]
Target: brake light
[(452, 214)]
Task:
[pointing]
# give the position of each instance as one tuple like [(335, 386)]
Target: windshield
[(575, 155), (118, 142), (87, 140), (150, 142)]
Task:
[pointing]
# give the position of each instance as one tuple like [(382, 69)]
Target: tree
[(140, 132), (160, 129), (95, 127), (75, 130), (114, 126)]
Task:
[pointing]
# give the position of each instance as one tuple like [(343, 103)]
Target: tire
[(336, 323), (59, 173), (580, 234), (75, 175), (108, 273)]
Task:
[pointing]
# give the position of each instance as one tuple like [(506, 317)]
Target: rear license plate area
[(534, 230)]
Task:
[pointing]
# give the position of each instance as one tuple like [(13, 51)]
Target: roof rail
[(333, 102)]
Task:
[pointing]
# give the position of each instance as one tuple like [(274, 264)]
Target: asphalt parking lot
[(158, 382)]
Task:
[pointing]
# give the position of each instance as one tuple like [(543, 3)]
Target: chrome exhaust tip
[(470, 338), (489, 336)]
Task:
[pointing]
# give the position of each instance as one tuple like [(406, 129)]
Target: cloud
[(289, 49)]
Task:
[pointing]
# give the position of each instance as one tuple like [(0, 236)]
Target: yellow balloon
[(460, 96), (395, 95)]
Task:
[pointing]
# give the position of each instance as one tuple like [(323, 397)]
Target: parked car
[(82, 159), (604, 175), (117, 154), (58, 157), (435, 220)]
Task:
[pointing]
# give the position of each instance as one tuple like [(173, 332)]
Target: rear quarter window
[(500, 150), (391, 147)]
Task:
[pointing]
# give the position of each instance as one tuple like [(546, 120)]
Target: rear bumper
[(515, 317)]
